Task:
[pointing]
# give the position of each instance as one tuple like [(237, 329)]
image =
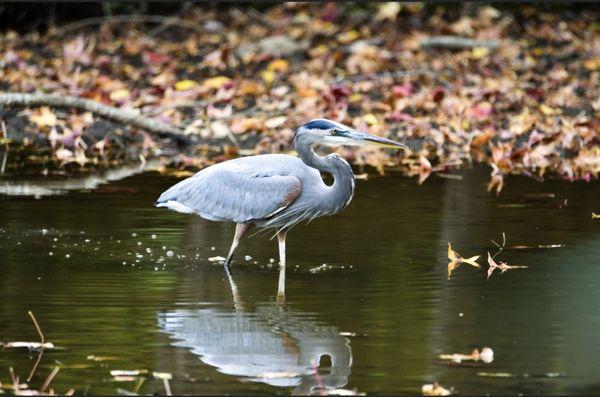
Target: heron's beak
[(364, 138)]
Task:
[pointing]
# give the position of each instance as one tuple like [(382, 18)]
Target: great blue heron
[(274, 190)]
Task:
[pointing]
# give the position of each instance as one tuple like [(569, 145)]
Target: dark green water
[(377, 317)]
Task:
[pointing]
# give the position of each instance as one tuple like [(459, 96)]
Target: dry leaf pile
[(515, 88)]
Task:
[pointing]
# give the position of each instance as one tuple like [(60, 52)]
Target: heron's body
[(269, 190), (274, 190)]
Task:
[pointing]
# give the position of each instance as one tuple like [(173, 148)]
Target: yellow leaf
[(452, 254), (356, 97), (268, 76), (185, 85), (547, 110), (44, 117), (348, 37), (216, 82), (119, 95), (592, 64), (370, 119), (279, 66), (388, 10), (480, 52)]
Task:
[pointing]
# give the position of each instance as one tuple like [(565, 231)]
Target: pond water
[(95, 269)]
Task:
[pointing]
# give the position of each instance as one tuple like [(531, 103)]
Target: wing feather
[(230, 195)]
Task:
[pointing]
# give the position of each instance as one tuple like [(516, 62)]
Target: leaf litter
[(488, 87)]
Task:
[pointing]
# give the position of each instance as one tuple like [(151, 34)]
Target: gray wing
[(224, 195)]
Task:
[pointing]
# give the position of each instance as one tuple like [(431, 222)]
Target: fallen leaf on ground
[(216, 82), (43, 117), (185, 85), (502, 266), (486, 355)]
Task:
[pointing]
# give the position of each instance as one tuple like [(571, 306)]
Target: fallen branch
[(457, 42), (379, 76), (160, 128), (170, 20)]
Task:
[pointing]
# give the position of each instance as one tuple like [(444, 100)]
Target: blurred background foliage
[(24, 17)]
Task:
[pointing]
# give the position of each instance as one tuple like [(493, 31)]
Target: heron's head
[(332, 133)]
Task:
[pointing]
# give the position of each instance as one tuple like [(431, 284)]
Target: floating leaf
[(435, 389), (162, 375), (126, 372), (456, 260), (216, 259), (500, 266), (486, 355)]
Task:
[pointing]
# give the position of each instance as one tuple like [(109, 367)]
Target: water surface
[(108, 275)]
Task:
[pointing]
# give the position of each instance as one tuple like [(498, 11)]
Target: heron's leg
[(240, 230), (281, 287)]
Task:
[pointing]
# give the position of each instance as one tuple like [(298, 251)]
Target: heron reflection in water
[(270, 344), (274, 190)]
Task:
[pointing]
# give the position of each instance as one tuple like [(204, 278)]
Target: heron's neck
[(341, 191)]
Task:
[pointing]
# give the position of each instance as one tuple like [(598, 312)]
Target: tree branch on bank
[(457, 42), (170, 20), (133, 118)]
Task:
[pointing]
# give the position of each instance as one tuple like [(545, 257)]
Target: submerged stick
[(167, 387), (110, 112), (49, 379)]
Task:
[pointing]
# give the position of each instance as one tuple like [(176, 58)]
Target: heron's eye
[(335, 131)]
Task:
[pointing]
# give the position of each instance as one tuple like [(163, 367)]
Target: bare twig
[(393, 75), (167, 387), (13, 378), (500, 247), (37, 327), (457, 42), (49, 379), (120, 115), (138, 385), (4, 134)]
